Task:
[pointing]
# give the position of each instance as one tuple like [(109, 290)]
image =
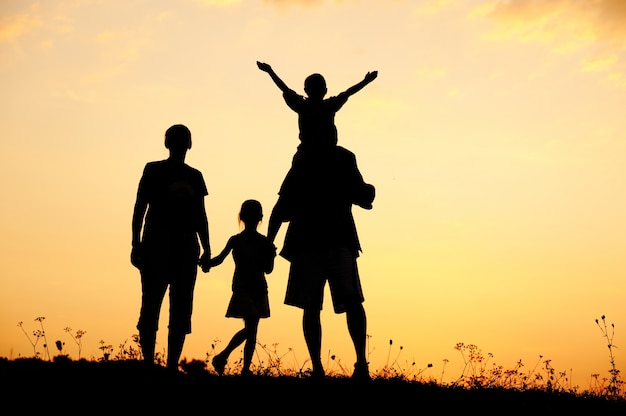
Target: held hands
[(205, 262)]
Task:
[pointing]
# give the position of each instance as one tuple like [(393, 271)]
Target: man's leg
[(184, 267), (357, 327), (147, 341), (312, 327), (153, 291), (175, 341)]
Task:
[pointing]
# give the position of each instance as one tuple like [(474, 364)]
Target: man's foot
[(317, 374), (219, 363), (361, 372)]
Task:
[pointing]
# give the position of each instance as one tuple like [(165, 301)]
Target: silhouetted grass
[(118, 381), (128, 387)]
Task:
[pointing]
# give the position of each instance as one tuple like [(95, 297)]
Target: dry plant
[(479, 370), (615, 386)]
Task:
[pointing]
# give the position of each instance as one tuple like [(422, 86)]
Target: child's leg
[(345, 164), (235, 341), (251, 328), (220, 360), (293, 176)]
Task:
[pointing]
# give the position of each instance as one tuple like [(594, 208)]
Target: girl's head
[(251, 212), (315, 86)]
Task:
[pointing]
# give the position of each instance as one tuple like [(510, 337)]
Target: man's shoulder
[(155, 164), (154, 167), (193, 170)]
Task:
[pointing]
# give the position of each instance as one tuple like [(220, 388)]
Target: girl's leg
[(220, 360), (251, 328), (235, 341)]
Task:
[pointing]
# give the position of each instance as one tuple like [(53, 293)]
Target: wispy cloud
[(12, 27), (596, 28), (217, 2), (285, 3), (432, 7)]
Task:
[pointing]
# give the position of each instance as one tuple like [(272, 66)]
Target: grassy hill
[(128, 388)]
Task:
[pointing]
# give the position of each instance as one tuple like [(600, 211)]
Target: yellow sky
[(494, 135)]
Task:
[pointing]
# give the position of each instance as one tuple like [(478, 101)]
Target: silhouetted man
[(171, 198), (322, 244)]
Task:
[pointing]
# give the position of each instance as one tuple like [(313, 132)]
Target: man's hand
[(136, 256), (205, 262)]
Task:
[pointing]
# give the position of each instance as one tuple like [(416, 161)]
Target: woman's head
[(251, 212)]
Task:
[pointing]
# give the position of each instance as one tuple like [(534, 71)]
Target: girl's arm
[(217, 260), (279, 82)]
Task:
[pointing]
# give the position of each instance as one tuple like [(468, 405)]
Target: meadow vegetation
[(118, 377)]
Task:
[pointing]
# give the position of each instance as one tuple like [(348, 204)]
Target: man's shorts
[(172, 265), (309, 273)]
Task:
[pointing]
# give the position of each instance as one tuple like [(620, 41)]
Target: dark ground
[(128, 388)]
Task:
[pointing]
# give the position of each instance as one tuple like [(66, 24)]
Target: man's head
[(315, 86), (178, 137)]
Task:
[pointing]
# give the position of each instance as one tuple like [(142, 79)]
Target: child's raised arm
[(369, 77), (279, 82)]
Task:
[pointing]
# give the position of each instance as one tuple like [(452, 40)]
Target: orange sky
[(494, 135)]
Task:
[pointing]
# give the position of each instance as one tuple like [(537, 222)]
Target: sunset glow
[(494, 135)]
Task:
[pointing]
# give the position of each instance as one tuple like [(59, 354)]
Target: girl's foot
[(219, 363)]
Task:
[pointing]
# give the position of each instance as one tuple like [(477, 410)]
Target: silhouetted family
[(170, 228)]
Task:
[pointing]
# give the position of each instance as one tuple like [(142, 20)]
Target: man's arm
[(273, 226), (203, 235), (141, 205), (138, 213), (269, 263), (277, 217), (279, 82)]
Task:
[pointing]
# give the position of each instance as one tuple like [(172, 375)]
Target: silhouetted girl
[(254, 256)]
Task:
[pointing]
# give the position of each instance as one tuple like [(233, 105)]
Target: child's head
[(315, 86), (251, 212)]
